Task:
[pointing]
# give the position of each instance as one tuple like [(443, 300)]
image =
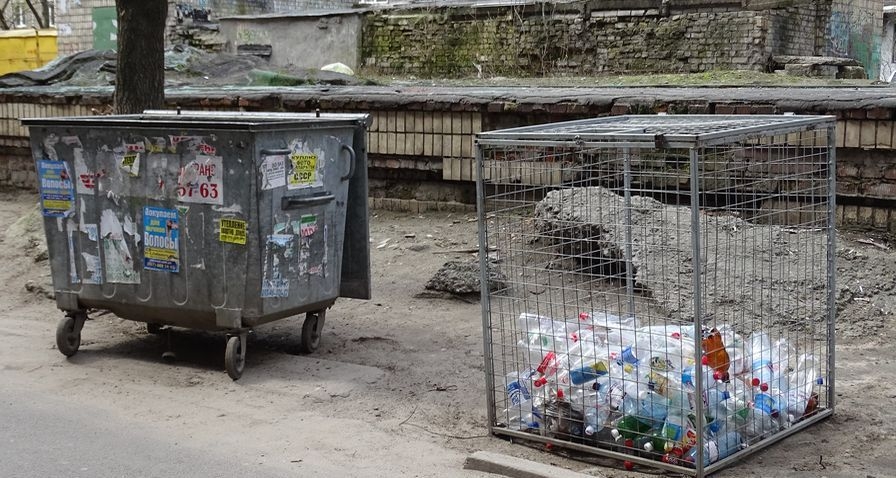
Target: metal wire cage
[(660, 288)]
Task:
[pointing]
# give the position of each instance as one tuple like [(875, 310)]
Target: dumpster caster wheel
[(235, 357), (154, 329), (68, 333), (314, 323)]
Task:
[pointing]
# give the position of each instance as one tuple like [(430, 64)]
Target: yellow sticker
[(233, 231), (304, 170)]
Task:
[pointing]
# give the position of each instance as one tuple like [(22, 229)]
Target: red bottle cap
[(574, 336), (717, 375), (584, 315), (628, 465), (560, 394), (629, 443), (755, 382), (676, 335), (548, 358), (704, 360), (540, 381), (764, 387)]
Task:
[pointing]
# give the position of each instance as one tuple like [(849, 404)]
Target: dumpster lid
[(208, 119)]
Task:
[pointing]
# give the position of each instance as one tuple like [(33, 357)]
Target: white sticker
[(273, 172), (201, 181)]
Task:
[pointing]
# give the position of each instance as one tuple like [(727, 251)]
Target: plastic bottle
[(716, 448), (629, 427), (543, 335), (518, 386), (737, 350), (679, 430), (523, 416), (762, 360), (781, 351), (763, 416), (715, 355), (802, 397)]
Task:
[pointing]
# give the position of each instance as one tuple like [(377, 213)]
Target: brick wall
[(694, 36), (74, 23), (428, 142)]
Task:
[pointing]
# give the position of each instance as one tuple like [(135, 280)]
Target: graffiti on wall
[(854, 32)]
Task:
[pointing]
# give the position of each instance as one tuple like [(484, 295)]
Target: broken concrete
[(462, 278)]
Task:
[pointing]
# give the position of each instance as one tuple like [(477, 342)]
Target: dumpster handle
[(287, 202), (351, 162), (272, 152)]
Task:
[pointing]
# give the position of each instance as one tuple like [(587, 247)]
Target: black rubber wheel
[(234, 358), (311, 331), (68, 340), (154, 329)]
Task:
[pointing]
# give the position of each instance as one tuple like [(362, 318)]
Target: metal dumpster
[(216, 221)]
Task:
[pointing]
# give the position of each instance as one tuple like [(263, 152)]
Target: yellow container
[(26, 49)]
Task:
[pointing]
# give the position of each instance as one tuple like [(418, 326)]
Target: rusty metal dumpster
[(215, 221)]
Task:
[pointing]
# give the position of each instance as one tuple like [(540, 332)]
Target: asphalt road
[(45, 436)]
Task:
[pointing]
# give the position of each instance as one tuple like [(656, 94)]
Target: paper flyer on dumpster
[(273, 172), (232, 230), (303, 170), (57, 193), (201, 181), (161, 239)]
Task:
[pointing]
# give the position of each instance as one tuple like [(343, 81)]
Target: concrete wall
[(855, 30), (303, 41), (887, 50), (589, 37)]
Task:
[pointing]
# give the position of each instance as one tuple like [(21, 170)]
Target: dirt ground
[(397, 387)]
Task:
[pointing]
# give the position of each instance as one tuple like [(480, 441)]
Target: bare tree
[(140, 75)]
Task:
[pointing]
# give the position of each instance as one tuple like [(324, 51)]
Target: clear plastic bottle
[(523, 416), (802, 396), (763, 416), (761, 354), (679, 430), (716, 448)]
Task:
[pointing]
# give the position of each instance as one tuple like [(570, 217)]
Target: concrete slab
[(516, 467)]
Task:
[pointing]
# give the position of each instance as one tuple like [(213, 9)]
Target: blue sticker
[(57, 193), (161, 239)]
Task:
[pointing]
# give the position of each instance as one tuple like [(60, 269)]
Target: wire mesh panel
[(669, 292)]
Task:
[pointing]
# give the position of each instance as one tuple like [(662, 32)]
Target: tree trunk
[(140, 75)]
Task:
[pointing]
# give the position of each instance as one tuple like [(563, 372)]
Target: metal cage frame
[(634, 132)]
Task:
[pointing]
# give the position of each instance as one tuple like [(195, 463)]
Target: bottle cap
[(629, 443), (755, 381), (628, 465), (717, 376), (540, 381), (676, 335), (589, 430), (560, 394), (704, 360), (615, 434), (764, 387), (584, 316), (648, 446)]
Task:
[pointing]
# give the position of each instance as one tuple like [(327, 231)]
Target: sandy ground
[(397, 387)]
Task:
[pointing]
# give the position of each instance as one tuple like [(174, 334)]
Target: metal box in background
[(669, 295), (217, 221)]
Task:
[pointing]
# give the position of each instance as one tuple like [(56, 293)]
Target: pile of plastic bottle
[(605, 381)]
